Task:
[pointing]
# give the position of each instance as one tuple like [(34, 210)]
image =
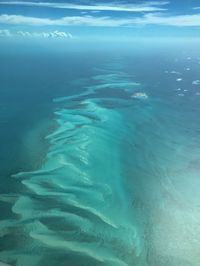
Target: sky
[(79, 19)]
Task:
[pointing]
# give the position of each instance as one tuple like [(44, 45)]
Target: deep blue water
[(91, 175)]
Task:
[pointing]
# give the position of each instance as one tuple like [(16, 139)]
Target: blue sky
[(79, 19)]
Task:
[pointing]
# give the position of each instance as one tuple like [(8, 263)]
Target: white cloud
[(51, 34), (84, 12), (95, 11), (104, 21), (65, 21), (143, 7), (179, 20), (23, 20), (6, 33), (24, 33), (61, 34)]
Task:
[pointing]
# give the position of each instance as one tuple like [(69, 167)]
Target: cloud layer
[(64, 21), (149, 6), (105, 21), (178, 21)]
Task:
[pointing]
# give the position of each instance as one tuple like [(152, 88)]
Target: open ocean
[(90, 174)]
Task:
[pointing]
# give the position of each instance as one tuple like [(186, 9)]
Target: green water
[(117, 182)]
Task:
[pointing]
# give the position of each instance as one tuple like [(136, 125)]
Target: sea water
[(92, 175)]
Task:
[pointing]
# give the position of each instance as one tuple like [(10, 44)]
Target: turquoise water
[(103, 178)]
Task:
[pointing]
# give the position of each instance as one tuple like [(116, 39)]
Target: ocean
[(100, 155)]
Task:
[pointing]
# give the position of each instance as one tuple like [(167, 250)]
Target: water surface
[(90, 174)]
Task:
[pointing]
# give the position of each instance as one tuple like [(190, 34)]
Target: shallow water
[(109, 179)]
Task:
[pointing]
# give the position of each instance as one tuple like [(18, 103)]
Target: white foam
[(196, 82), (175, 72), (140, 95)]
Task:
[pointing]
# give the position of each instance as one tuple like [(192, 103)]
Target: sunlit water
[(104, 178)]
